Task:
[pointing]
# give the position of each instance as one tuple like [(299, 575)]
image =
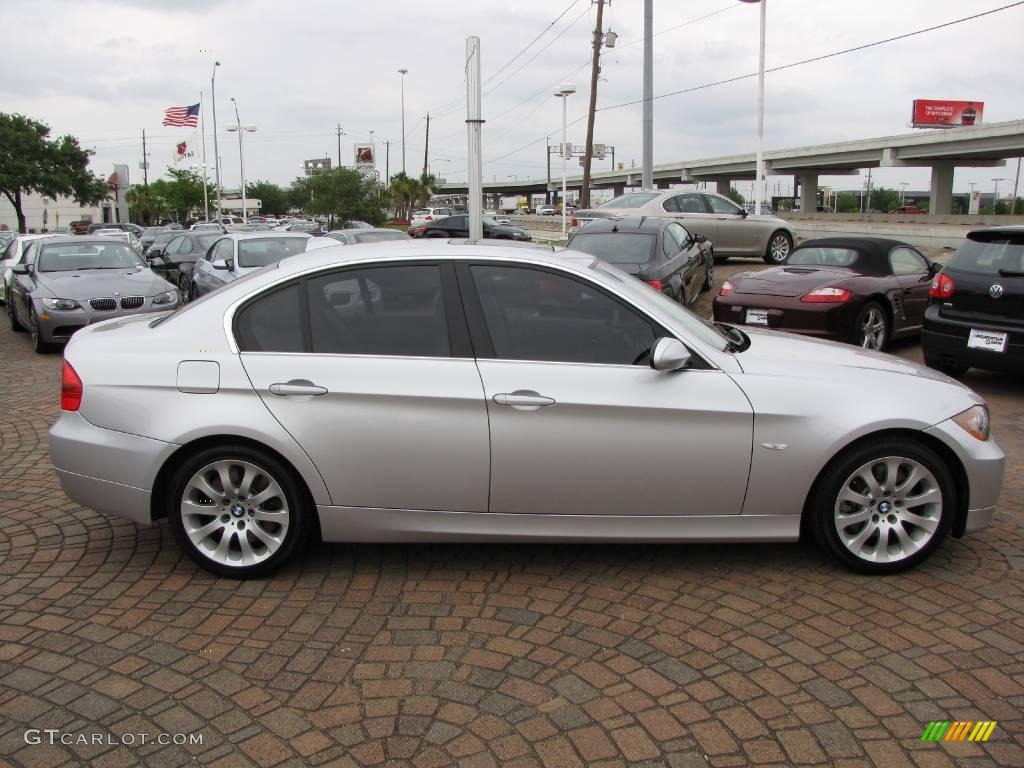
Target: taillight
[(726, 288), (574, 223), (430, 218), (826, 296), (942, 287), (70, 388), (655, 284)]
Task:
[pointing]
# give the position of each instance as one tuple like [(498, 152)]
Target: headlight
[(171, 297), (974, 421), (61, 304)]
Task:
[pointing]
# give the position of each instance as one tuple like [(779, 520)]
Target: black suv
[(975, 315)]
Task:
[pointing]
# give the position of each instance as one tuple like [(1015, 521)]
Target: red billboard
[(937, 113)]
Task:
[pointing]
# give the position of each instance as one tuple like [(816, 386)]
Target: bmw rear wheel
[(237, 511), (779, 246), (885, 507)]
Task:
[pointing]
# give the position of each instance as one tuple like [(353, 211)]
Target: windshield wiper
[(1011, 273)]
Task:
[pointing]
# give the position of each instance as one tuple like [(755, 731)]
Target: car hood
[(774, 351), (787, 281), (94, 283)]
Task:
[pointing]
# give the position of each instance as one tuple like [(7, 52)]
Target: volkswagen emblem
[(995, 291)]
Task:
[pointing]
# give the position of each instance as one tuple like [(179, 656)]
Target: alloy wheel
[(872, 330), (888, 509), (235, 513), (778, 248)]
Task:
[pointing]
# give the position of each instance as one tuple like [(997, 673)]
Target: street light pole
[(216, 152), (647, 148), (995, 194), (403, 73), (563, 93), (241, 154), (760, 111)]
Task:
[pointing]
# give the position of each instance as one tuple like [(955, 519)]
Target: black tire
[(824, 504), (184, 285), (779, 246), (193, 291), (38, 345), (709, 275), (12, 318), (872, 329), (948, 367), (239, 515)]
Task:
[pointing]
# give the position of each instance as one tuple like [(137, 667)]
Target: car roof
[(364, 231), (874, 251), (266, 235), (627, 224), (1010, 229)]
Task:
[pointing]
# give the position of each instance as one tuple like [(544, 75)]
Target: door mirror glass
[(669, 355), (698, 238)]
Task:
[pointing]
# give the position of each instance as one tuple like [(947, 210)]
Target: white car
[(424, 215), (13, 255), (128, 237), (546, 210)]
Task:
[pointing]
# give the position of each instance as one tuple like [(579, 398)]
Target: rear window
[(376, 237), (616, 248), (260, 253), (632, 200), (822, 257), (998, 254)]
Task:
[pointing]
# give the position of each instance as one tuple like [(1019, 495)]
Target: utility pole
[(547, 190), (145, 165), (648, 135), (387, 163), (339, 145), (1016, 186), (474, 122), (426, 148), (595, 69)]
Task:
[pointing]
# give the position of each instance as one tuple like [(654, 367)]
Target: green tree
[(146, 205), (734, 195), (32, 162), (402, 192), (273, 199), (345, 194), (884, 200), (298, 193), (847, 202)]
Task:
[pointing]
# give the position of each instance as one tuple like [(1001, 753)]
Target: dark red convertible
[(862, 290)]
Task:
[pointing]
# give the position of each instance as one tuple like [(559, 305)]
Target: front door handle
[(523, 400), (297, 387)]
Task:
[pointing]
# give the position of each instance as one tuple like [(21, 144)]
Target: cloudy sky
[(104, 70)]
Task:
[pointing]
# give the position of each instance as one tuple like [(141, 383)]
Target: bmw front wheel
[(885, 507), (779, 246)]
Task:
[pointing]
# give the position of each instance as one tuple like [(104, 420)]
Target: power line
[(777, 69), (729, 7)]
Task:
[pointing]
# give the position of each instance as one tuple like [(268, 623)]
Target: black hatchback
[(975, 315), (661, 252)]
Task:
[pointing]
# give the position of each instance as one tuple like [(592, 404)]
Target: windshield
[(822, 257), (1000, 253), (68, 257), (376, 237), (616, 247), (264, 251), (632, 200), (207, 240), (701, 329)]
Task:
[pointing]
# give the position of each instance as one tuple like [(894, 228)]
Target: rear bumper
[(789, 314), (945, 340), (109, 471)]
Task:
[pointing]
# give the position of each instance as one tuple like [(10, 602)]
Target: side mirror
[(669, 355), (223, 264), (744, 213), (934, 268), (700, 238), (20, 269)]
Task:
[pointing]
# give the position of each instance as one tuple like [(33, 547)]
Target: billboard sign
[(936, 113), (316, 165), (364, 155)]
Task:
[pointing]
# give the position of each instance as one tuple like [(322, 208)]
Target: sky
[(105, 70)]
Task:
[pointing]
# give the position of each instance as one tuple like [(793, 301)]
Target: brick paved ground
[(494, 655)]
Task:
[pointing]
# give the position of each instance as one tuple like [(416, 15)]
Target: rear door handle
[(523, 399), (297, 387)]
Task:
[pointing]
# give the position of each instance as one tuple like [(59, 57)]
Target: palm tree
[(403, 192), (145, 204)]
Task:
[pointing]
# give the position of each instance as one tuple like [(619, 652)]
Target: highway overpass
[(942, 150)]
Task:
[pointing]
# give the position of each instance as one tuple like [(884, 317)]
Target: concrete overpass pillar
[(808, 192), (941, 198), (619, 190), (722, 186), (663, 184)]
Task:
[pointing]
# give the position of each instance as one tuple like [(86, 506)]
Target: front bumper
[(109, 471), (944, 340), (984, 464), (57, 326)]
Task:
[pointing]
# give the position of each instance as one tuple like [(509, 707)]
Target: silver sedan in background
[(238, 254), (733, 231), (425, 391)]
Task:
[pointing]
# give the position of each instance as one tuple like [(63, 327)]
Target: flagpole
[(202, 123)]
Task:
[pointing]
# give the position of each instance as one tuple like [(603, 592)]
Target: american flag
[(181, 116)]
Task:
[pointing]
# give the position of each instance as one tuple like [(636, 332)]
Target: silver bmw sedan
[(424, 391)]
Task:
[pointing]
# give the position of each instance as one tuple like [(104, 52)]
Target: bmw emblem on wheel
[(995, 291)]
